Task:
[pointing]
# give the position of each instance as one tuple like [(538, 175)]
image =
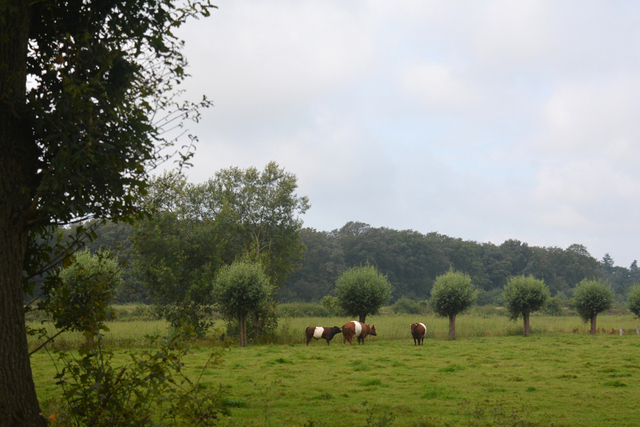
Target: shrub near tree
[(452, 294), (524, 295), (590, 298), (240, 289), (633, 300), (362, 291)]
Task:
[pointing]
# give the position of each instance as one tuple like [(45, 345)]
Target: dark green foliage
[(199, 228), (621, 279), (323, 262), (592, 297), (362, 291), (241, 288), (80, 86), (412, 261), (302, 309), (553, 307), (524, 295), (407, 306), (150, 390), (452, 294), (491, 297), (83, 301), (633, 300)]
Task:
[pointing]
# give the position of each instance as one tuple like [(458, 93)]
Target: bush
[(491, 298), (143, 392), (487, 311), (408, 306), (553, 307), (302, 309)]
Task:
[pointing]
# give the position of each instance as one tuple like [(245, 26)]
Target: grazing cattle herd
[(360, 331)]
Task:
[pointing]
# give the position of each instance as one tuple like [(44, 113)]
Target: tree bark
[(452, 326), (362, 318), (18, 402), (525, 316), (593, 324)]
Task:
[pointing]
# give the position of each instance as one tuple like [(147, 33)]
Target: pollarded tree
[(633, 300), (362, 291), (239, 289), (81, 82), (452, 294), (524, 295), (590, 298)]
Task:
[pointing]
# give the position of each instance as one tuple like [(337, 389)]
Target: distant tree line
[(412, 261)]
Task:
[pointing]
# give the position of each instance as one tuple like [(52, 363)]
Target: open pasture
[(552, 378)]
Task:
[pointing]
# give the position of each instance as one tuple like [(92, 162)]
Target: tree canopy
[(84, 85), (633, 300), (452, 294), (524, 295), (362, 291), (198, 228), (241, 288), (591, 298)]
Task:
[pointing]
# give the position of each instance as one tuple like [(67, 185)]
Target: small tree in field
[(452, 294), (362, 291), (241, 288), (590, 298), (523, 295), (633, 300)]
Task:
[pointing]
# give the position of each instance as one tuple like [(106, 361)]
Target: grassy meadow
[(489, 376)]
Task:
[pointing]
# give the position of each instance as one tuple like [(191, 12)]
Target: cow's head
[(372, 331), (335, 331)]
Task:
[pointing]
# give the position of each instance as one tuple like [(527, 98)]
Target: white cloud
[(514, 31), (436, 84), (595, 118)]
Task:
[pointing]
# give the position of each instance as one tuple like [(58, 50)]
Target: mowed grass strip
[(566, 379)]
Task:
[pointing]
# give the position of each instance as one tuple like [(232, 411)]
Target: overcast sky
[(484, 120)]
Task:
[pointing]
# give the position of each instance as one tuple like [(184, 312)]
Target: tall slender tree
[(80, 82)]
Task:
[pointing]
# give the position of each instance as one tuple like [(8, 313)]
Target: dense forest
[(411, 261)]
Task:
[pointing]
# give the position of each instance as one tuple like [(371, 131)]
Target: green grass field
[(489, 376)]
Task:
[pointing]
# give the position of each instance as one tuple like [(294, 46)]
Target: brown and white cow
[(357, 329), (418, 330), (318, 332)]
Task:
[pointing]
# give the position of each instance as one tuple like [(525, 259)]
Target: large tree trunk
[(362, 318), (18, 401), (593, 324), (452, 326), (525, 316)]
